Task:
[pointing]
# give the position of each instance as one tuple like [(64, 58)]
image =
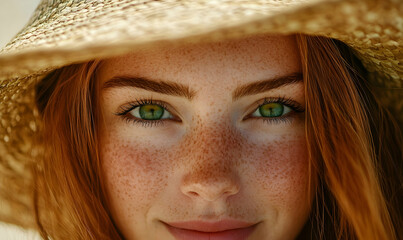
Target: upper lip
[(209, 226)]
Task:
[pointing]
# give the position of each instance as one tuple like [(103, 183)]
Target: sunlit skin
[(210, 161)]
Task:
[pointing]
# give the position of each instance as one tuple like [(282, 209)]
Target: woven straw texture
[(71, 31)]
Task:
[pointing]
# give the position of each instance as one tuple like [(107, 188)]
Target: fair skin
[(214, 157)]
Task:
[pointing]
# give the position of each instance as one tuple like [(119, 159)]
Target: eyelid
[(284, 100), (294, 105), (129, 106)]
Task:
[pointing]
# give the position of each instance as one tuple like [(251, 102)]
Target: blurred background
[(14, 14)]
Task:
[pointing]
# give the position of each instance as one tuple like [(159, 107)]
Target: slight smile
[(221, 230)]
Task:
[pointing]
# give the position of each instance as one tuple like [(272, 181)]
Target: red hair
[(69, 180), (341, 117)]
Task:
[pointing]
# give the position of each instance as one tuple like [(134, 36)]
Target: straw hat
[(63, 32)]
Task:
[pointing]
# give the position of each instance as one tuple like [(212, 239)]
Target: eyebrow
[(181, 90)]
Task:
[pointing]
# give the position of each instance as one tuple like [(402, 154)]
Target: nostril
[(210, 192), (195, 194), (209, 189)]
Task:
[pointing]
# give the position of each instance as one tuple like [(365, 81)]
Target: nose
[(210, 189), (212, 165)]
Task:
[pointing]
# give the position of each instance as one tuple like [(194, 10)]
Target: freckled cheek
[(282, 167), (135, 174)]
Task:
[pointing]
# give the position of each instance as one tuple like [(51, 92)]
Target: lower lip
[(233, 234)]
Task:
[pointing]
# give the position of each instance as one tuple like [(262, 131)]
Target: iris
[(271, 110), (151, 112)]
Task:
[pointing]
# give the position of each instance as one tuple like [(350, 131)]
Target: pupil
[(151, 112), (271, 110)]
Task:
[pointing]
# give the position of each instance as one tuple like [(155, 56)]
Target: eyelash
[(138, 103), (124, 110)]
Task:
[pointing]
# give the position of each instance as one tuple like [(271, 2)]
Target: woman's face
[(206, 141)]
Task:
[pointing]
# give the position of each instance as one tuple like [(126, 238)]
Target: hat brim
[(67, 32)]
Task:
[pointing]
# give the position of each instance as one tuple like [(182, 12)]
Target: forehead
[(243, 60)]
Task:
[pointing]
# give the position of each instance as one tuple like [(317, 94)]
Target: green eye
[(150, 112), (271, 110)]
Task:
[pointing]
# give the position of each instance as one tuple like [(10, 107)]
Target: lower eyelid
[(287, 118)]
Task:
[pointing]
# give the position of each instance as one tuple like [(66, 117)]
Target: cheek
[(134, 175), (282, 171)]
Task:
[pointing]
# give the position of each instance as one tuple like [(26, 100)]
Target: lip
[(227, 229)]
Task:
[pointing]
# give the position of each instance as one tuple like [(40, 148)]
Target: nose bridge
[(214, 146), (211, 163)]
